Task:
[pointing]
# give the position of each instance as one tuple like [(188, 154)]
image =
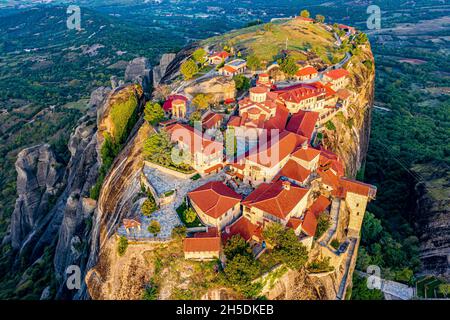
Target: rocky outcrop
[(39, 182), (160, 70), (220, 88), (173, 69), (350, 138), (139, 71), (432, 218), (117, 197)]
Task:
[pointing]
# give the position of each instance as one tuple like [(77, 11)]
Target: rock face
[(160, 70), (350, 139), (39, 181), (432, 218), (139, 71), (220, 88)]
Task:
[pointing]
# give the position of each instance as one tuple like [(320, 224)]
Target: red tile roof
[(167, 106), (230, 69), (300, 92), (329, 178), (221, 55), (310, 220), (303, 123), (307, 154), (307, 71), (337, 74), (294, 171), (294, 223), (275, 199), (357, 187), (214, 198), (244, 228), (271, 153), (194, 140), (211, 119), (131, 223), (201, 244), (343, 94), (212, 232)]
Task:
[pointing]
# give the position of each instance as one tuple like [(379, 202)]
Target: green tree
[(241, 270), (189, 215), (188, 69), (360, 290), (242, 82), (195, 117), (153, 113), (320, 18), (305, 14), (158, 148), (237, 245), (201, 101), (148, 207), (122, 245), (288, 66), (323, 224), (199, 55), (154, 228), (287, 248), (371, 228), (253, 62)]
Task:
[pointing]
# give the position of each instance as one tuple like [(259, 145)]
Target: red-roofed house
[(233, 68), (275, 202), (202, 248), (204, 153), (311, 217), (346, 28), (245, 228), (263, 162), (303, 97), (339, 78), (306, 73), (218, 57), (303, 123), (211, 120), (216, 204), (307, 157), (167, 106), (294, 172)]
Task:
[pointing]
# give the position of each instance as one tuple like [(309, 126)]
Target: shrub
[(199, 55), (150, 291), (153, 113), (237, 245), (322, 225), (179, 232), (154, 228), (288, 66), (148, 207), (189, 215), (188, 69), (122, 246), (335, 244), (305, 14), (318, 266)]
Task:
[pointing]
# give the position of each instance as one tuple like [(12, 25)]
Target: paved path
[(393, 290), (334, 214), (167, 215), (343, 285)]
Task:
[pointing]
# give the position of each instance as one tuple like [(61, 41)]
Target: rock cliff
[(432, 218)]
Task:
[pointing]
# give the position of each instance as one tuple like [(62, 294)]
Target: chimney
[(305, 145), (286, 185)]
